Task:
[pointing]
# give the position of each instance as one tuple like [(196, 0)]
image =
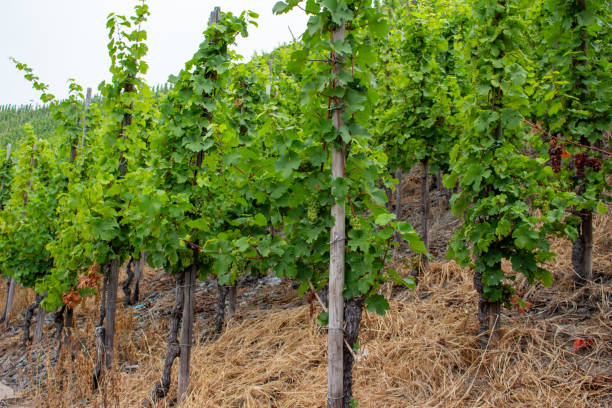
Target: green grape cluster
[(355, 223), (239, 263), (313, 208)]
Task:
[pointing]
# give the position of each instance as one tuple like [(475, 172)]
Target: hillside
[(423, 353), (13, 118)]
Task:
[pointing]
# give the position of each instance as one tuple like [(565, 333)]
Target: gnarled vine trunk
[(231, 301), (27, 320), (489, 314), (226, 293), (582, 251), (162, 387), (138, 269), (127, 291), (220, 317), (111, 306), (99, 332), (353, 309)]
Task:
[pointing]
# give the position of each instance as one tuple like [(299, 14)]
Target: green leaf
[(279, 7), (379, 196), (323, 318), (260, 220), (601, 208), (287, 163), (525, 237), (377, 303), (384, 218)]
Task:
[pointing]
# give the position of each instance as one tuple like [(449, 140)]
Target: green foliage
[(573, 96), (326, 89), (416, 115), (496, 179)]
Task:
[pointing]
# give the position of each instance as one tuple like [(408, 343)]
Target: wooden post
[(8, 153), (186, 331), (12, 283), (40, 321), (87, 102), (335, 334), (269, 85)]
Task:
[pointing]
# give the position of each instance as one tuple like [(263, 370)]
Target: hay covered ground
[(423, 353)]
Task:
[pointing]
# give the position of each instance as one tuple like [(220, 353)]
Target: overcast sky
[(63, 39)]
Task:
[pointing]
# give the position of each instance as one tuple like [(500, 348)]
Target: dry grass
[(423, 353)]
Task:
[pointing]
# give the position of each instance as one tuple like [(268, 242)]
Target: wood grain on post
[(335, 335), (9, 301), (40, 321), (186, 332)]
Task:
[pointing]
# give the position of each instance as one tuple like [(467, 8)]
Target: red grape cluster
[(554, 152), (580, 161), (594, 163)]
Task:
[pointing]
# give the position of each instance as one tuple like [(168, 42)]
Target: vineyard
[(406, 206)]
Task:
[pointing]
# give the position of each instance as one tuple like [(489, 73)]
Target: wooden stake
[(186, 332), (87, 102), (40, 321), (12, 283), (335, 336)]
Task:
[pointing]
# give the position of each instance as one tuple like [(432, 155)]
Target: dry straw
[(423, 353)]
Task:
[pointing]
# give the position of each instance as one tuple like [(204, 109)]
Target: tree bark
[(352, 316), (187, 330), (489, 314), (425, 213), (162, 387), (335, 335)]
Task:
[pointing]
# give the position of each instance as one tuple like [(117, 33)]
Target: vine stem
[(541, 131)]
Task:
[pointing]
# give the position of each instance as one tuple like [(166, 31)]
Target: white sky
[(63, 39)]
